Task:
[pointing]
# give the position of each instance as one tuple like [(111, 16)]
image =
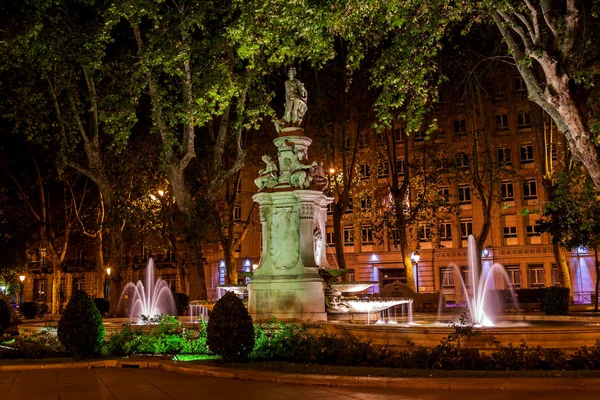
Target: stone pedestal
[(286, 285)]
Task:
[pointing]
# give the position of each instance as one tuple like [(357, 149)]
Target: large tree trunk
[(56, 275), (563, 267), (338, 233), (232, 274), (115, 263), (405, 252), (99, 271), (195, 268)]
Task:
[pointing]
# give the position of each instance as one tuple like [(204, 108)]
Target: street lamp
[(416, 258), (22, 278), (108, 271)]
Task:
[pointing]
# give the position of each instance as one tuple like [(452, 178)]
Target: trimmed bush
[(230, 332), (102, 305), (181, 302), (28, 309), (4, 316), (42, 309), (80, 329), (556, 301)]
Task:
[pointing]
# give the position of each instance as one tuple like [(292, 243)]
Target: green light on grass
[(193, 357)]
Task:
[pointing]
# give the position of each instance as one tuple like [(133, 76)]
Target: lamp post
[(416, 258)]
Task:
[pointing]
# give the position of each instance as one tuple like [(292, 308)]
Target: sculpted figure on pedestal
[(268, 175), (302, 173), (296, 98)]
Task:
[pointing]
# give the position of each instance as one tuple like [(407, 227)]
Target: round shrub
[(230, 331), (80, 329), (42, 309), (181, 302), (4, 316), (28, 309), (103, 305), (556, 301)]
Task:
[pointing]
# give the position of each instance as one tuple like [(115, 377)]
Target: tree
[(556, 51), (573, 215), (72, 88)]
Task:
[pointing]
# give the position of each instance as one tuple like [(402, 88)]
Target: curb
[(579, 384)]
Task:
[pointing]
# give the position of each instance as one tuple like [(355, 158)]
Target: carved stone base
[(287, 300)]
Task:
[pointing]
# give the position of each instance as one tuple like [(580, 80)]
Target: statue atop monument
[(296, 98)]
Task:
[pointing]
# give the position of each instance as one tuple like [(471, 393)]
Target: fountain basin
[(351, 287), (567, 333)]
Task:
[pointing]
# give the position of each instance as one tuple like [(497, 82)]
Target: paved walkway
[(151, 384)]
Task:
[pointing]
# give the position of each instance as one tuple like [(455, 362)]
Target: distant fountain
[(479, 307), (150, 298)]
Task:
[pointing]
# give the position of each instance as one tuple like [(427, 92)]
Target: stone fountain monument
[(293, 212)]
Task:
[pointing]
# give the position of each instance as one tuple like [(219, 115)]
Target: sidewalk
[(519, 384), (150, 384)]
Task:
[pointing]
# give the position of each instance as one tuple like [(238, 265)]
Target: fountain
[(478, 303), (150, 298)]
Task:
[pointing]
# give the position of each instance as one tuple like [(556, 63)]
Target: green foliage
[(42, 344), (556, 301), (573, 215), (288, 342), (28, 309), (166, 336), (181, 302), (103, 305), (4, 316), (80, 329), (230, 332)]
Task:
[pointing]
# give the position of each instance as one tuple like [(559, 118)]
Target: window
[(365, 202), (533, 230), (40, 291), (507, 191), (78, 284), (447, 277), (460, 128), (400, 167), (350, 275), (527, 154), (530, 190), (462, 160), (520, 86), (514, 275), (445, 196), (523, 119), (555, 275), (420, 136), (171, 280), (445, 231), (330, 209), (395, 238), (81, 257), (465, 274), (509, 232), (237, 213), (365, 171), (238, 249), (363, 140), (504, 156), (350, 207), (424, 232), (501, 122), (466, 229), (330, 238), (384, 170), (235, 185), (348, 236), (536, 275), (398, 135), (464, 194), (366, 235), (554, 151)]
